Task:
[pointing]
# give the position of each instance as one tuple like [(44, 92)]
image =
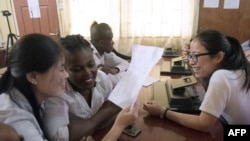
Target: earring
[(34, 82)]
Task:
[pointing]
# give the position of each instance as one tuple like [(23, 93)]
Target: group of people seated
[(59, 90)]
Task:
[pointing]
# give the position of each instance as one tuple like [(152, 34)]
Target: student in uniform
[(35, 72), (102, 44), (84, 108), (219, 60)]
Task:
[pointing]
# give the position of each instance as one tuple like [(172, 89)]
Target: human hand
[(88, 138), (153, 108), (109, 70), (186, 48), (127, 117), (113, 70)]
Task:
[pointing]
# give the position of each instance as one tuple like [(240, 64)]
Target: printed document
[(143, 60)]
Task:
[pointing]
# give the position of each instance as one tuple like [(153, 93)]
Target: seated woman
[(221, 61), (84, 107), (35, 72)]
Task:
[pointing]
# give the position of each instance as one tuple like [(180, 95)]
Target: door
[(232, 22), (47, 24)]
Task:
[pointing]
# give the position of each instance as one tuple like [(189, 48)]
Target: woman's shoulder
[(103, 80), (5, 100), (224, 72), (13, 110)]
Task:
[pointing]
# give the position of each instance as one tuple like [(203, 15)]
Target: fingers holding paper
[(127, 117)]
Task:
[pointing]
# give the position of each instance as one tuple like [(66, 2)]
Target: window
[(171, 20)]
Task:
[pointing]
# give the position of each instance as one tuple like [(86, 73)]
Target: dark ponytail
[(240, 60), (6, 81)]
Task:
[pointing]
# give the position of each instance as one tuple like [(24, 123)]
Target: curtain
[(163, 23), (64, 14)]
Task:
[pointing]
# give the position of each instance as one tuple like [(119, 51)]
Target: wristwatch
[(163, 112)]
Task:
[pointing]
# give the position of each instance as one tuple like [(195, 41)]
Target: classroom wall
[(233, 22)]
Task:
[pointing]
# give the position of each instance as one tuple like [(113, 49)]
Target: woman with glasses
[(220, 61)]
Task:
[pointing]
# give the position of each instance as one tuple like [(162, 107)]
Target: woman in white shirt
[(35, 71), (84, 108), (8, 133), (220, 60)]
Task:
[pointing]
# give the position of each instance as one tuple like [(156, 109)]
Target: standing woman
[(35, 72), (221, 61)]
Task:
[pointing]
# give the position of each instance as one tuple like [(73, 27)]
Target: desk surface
[(156, 129)]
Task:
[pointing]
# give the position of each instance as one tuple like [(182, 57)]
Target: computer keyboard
[(169, 52)]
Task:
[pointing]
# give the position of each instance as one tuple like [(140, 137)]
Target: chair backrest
[(121, 55)]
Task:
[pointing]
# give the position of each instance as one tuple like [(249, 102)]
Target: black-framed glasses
[(194, 57)]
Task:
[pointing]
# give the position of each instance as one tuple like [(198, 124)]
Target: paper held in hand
[(143, 60)]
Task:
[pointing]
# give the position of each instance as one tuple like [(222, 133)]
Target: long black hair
[(33, 52), (234, 57)]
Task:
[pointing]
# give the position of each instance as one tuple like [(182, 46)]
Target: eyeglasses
[(194, 57)]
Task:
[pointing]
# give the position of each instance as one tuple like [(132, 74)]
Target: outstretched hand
[(186, 48), (108, 69), (127, 117), (153, 108)]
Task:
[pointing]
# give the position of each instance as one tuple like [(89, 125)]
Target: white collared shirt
[(57, 110), (111, 59), (17, 112), (225, 97)]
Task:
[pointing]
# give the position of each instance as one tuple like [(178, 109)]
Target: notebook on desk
[(175, 66), (185, 100)]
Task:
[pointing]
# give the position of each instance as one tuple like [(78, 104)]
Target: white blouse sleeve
[(216, 96)]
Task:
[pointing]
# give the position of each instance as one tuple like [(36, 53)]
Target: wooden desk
[(156, 129)]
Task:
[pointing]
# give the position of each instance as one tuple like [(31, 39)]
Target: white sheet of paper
[(150, 80), (34, 8), (231, 4), (211, 4), (143, 60)]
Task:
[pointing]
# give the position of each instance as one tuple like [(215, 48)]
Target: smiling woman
[(220, 60), (35, 72)]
